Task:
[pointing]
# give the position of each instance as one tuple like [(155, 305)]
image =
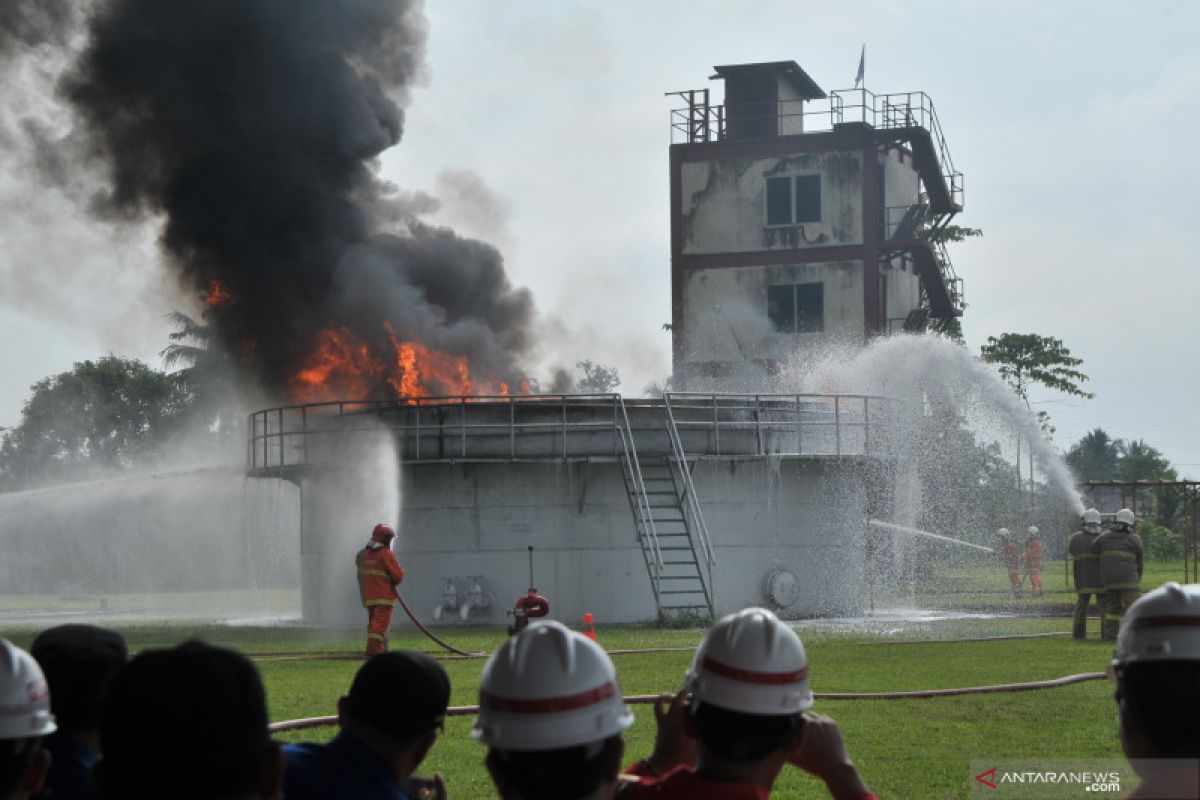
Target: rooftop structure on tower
[(799, 217)]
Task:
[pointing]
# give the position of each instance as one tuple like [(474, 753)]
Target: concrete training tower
[(798, 217)]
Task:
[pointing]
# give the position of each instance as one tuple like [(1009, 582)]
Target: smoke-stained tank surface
[(682, 507)]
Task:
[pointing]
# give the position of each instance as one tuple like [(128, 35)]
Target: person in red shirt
[(742, 717), (379, 573)]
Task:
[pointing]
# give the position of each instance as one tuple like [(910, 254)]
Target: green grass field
[(905, 748), (983, 583)]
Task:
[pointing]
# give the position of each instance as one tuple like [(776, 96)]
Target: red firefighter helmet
[(382, 533)]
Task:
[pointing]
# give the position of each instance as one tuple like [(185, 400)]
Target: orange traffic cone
[(589, 627)]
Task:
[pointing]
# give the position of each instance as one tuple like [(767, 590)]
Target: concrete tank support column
[(340, 504)]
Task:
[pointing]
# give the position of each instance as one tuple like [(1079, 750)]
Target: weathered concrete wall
[(467, 520), (478, 519), (724, 203), (802, 515), (903, 293), (901, 184), (791, 109), (726, 310)]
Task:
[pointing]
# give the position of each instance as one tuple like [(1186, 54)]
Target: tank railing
[(693, 503), (697, 123), (731, 413), (630, 456), (502, 428), (281, 437)]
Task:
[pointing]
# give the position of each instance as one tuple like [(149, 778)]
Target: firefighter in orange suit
[(1032, 558), (379, 573)]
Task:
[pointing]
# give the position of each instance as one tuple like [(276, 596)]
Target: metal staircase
[(913, 232), (679, 558)]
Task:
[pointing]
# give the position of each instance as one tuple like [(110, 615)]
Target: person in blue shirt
[(389, 721), (78, 661), (187, 723)]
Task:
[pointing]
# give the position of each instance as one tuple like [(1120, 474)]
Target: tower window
[(793, 199), (808, 198), (779, 201), (797, 307)]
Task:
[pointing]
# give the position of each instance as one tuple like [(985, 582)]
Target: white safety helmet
[(1091, 518), (1125, 517), (24, 695), (752, 663), (548, 688), (1002, 533), (1032, 530), (1163, 625)]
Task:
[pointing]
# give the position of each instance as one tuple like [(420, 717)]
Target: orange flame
[(218, 296), (341, 365), (421, 369)]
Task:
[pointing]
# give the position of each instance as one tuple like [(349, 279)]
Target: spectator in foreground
[(551, 714), (78, 661), (389, 721), (24, 719), (189, 723), (748, 716), (1156, 666)]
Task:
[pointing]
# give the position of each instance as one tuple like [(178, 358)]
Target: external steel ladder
[(678, 555)]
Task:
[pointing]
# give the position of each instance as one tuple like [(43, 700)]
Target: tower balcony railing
[(701, 121), (912, 221)]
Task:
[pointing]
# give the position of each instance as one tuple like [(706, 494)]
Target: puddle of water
[(890, 622)]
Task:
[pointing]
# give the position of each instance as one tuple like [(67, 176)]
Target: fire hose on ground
[(646, 699), (429, 633), (459, 655), (334, 655)]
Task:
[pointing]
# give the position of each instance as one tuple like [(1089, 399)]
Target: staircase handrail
[(639, 485), (689, 488)]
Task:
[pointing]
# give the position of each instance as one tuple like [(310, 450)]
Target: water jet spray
[(888, 526)]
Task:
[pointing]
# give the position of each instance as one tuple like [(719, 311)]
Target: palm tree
[(207, 373), (1095, 456)]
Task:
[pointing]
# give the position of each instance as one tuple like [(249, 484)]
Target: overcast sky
[(543, 128)]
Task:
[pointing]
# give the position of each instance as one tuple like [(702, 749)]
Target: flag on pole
[(862, 63)]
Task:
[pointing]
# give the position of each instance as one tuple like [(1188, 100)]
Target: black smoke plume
[(252, 127)]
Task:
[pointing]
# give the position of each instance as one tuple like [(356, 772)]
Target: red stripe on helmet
[(548, 705), (747, 676), (1166, 622)]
